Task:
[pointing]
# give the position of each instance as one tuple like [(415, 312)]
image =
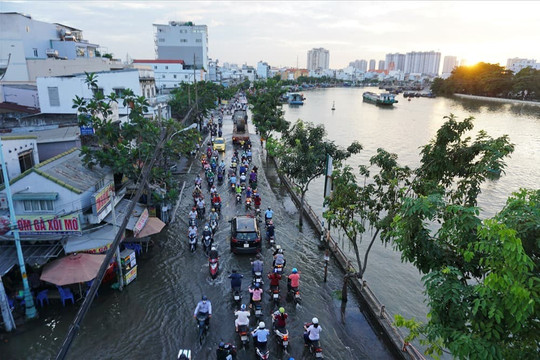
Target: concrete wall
[(56, 67), (11, 148), (25, 96)]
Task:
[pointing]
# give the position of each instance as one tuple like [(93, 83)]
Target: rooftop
[(158, 61)]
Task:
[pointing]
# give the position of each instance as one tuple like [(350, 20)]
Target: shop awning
[(121, 209), (35, 196), (96, 241), (37, 255), (153, 226)]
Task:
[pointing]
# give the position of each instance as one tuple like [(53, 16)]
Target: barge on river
[(295, 99), (384, 99)]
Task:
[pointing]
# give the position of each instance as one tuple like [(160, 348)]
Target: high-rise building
[(395, 62), (372, 63), (423, 62), (382, 65), (449, 63), (318, 59), (182, 41)]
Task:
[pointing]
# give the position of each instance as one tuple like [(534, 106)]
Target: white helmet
[(262, 325), (213, 248), (315, 320)]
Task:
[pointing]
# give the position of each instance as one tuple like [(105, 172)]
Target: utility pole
[(196, 96), (30, 310), (118, 258)]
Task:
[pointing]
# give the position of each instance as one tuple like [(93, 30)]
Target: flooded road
[(153, 317)]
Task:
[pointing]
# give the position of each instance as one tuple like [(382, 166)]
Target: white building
[(423, 62), (372, 63), (318, 59), (182, 41), (359, 64), (20, 154), (29, 48), (517, 64), (248, 72), (395, 61), (381, 65), (170, 73), (449, 63), (262, 70)]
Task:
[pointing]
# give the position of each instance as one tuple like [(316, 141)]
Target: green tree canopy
[(266, 107)]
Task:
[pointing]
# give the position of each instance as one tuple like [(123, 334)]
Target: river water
[(152, 317), (402, 130)]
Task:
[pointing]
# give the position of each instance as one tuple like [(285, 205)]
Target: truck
[(240, 128)]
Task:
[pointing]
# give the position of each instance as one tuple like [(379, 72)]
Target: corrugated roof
[(37, 254)]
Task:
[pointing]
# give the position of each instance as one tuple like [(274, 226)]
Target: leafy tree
[(267, 109), (303, 152), (369, 204), (482, 292), (526, 84), (126, 147)]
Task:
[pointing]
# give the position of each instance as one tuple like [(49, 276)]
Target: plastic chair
[(65, 294), (134, 246), (42, 296), (88, 286)]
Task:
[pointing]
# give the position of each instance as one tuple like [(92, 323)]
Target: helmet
[(221, 344), (278, 247), (213, 248), (234, 270), (282, 309), (280, 251), (243, 307), (259, 256), (262, 325), (206, 227), (315, 320), (294, 270), (213, 209), (194, 208), (227, 346), (269, 208), (257, 285), (204, 298)]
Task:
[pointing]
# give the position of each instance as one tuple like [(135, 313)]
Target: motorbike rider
[(242, 317), (268, 214), (279, 258), (206, 232), (256, 199), (192, 231), (209, 176), (200, 205), (279, 318), (238, 188), (204, 308), (256, 293), (236, 280), (216, 201), (248, 192), (222, 165), (213, 189), (312, 331), (248, 153), (198, 180), (252, 176), (225, 351), (260, 334), (213, 215), (257, 265), (193, 213), (213, 254), (232, 180), (243, 169), (274, 278), (293, 280)]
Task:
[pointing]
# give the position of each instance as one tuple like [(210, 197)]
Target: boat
[(384, 99), (295, 99)]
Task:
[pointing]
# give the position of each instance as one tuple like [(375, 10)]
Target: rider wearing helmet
[(312, 331), (204, 308), (213, 215), (256, 292), (225, 351), (206, 232), (279, 318), (260, 335), (213, 254), (236, 280), (242, 317), (274, 278), (270, 229), (268, 214), (293, 279)]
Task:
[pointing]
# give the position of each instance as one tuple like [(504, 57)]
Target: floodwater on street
[(153, 317)]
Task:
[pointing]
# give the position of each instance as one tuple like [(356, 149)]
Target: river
[(403, 129)]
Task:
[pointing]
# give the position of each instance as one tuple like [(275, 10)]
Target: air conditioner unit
[(52, 53), (3, 201)]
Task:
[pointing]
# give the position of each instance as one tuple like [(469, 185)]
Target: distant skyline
[(281, 33)]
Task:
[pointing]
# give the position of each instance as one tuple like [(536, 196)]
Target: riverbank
[(500, 100)]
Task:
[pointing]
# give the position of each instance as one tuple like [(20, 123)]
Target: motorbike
[(233, 167), (248, 203), (316, 349), (233, 187), (295, 295), (207, 243), (282, 337), (258, 214), (202, 326), (271, 239), (217, 206), (275, 295), (238, 198), (257, 309), (200, 212), (192, 221), (262, 351), (237, 296), (210, 181), (243, 333), (257, 278), (220, 178), (278, 268), (213, 265), (213, 226), (193, 243)]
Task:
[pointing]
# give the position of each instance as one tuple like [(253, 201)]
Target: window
[(38, 205), (54, 98), (99, 185), (174, 76), (198, 40), (163, 76), (166, 68), (81, 51), (118, 91), (35, 52), (97, 91), (161, 40), (183, 40), (26, 160)]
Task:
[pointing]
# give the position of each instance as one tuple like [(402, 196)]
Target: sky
[(282, 32)]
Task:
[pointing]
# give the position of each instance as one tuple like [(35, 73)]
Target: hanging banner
[(102, 198), (141, 222)]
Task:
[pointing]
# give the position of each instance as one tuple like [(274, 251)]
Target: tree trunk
[(300, 219), (344, 295), (357, 253), (363, 270)]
